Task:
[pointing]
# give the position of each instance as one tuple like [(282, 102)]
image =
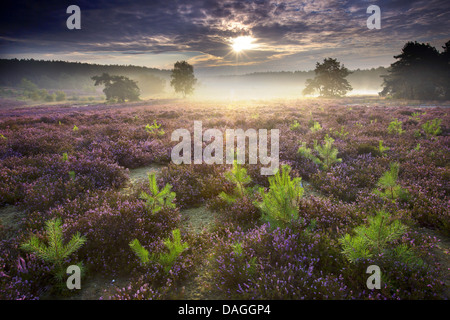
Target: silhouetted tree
[(118, 87), (421, 72), (446, 69), (183, 79), (329, 80)]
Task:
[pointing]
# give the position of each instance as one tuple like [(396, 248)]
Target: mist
[(276, 85)]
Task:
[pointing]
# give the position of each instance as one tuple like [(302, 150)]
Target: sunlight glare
[(243, 43)]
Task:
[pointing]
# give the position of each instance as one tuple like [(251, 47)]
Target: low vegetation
[(359, 191)]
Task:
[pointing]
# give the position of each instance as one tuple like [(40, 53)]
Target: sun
[(242, 43)]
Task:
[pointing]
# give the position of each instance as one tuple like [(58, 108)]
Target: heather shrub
[(42, 190), (31, 141), (10, 190), (331, 217), (289, 271), (194, 184), (399, 281), (111, 224), (366, 148), (126, 153), (241, 212), (23, 276), (346, 180), (430, 211)]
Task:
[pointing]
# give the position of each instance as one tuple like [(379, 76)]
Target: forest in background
[(75, 75), (62, 75)]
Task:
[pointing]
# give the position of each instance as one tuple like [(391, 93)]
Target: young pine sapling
[(154, 130), (55, 252), (432, 127), (174, 248), (395, 126), (316, 127), (281, 204), (382, 148), (238, 176), (295, 126), (157, 199), (390, 189), (327, 154), (375, 239)]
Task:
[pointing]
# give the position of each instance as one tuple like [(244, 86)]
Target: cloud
[(283, 29)]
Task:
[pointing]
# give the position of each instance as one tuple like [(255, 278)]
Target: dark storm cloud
[(281, 27)]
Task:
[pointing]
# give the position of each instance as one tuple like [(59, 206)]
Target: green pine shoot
[(281, 204), (341, 134), (390, 189), (432, 127), (375, 239), (175, 247), (415, 116), (295, 126), (140, 251), (326, 153), (157, 199), (154, 130), (55, 252), (316, 127), (395, 126), (238, 176), (308, 154), (381, 147)]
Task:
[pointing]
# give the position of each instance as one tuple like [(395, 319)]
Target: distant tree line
[(359, 79), (420, 72), (75, 75)]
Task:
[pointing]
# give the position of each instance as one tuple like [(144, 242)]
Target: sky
[(286, 35)]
